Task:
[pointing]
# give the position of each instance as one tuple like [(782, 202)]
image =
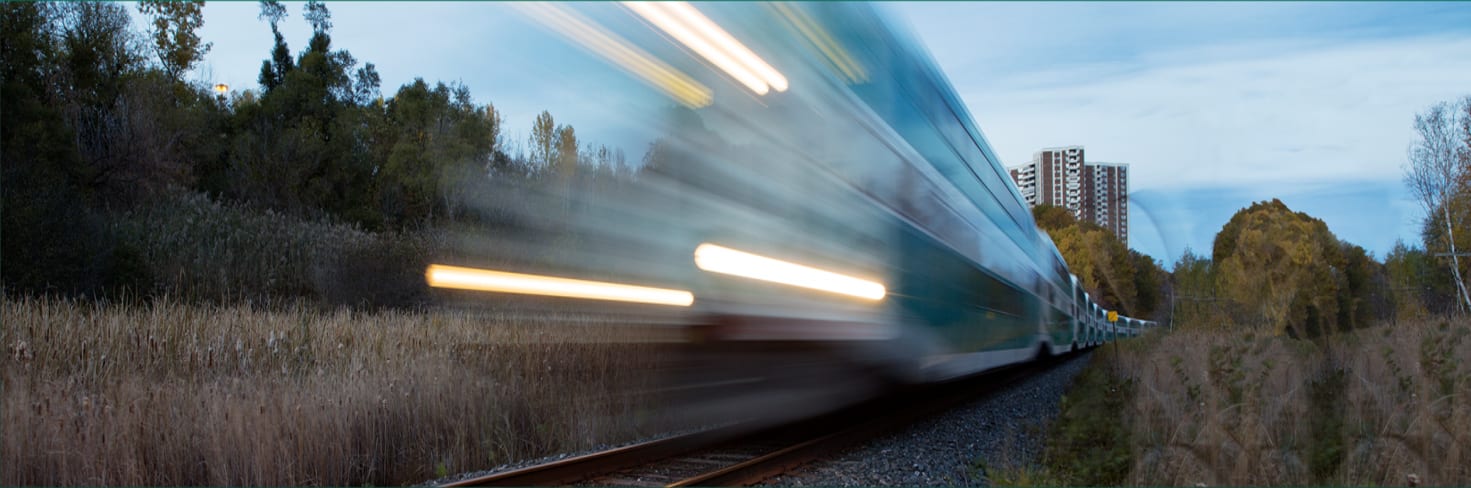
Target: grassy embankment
[(173, 394), (1388, 405)]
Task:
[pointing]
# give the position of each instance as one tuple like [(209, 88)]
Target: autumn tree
[(1366, 297), (568, 156), (1149, 281), (173, 31), (1439, 176), (1052, 217), (1280, 269), (1195, 302), (1115, 276), (544, 140), (1418, 284)]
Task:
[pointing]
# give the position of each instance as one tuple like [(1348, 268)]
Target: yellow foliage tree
[(1104, 264), (1280, 269)]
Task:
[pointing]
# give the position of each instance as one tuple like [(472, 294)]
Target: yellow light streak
[(824, 42), (441, 276), (698, 40), (620, 52), (724, 260)]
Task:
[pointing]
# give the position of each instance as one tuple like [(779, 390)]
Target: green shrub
[(1089, 443), (195, 248), (1326, 448), (54, 245)]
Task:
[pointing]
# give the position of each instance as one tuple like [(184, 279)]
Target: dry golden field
[(1388, 405), (171, 394)]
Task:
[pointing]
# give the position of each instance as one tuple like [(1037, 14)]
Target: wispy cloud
[(1214, 105), (1290, 114), (1212, 136)]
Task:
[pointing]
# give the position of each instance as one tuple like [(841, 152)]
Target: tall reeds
[(174, 394), (1372, 407)]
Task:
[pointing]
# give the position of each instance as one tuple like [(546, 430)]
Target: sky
[(1213, 105)]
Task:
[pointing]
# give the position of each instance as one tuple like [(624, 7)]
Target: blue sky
[(1214, 105)]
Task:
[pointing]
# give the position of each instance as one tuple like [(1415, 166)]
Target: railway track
[(737, 455)]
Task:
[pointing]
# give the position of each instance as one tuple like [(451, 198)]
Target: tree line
[(100, 120), (1116, 277), (110, 153), (1273, 268), (1285, 271)]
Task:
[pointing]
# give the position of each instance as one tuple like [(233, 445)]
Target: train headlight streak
[(724, 260), (688, 26), (441, 276)]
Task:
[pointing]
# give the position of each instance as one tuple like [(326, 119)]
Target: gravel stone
[(1006, 428), (945, 450)]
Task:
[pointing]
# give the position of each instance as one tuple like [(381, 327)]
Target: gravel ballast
[(1005, 428)]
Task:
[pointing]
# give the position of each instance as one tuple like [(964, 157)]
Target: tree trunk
[(1455, 260)]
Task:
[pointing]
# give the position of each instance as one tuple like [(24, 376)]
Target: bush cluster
[(195, 248)]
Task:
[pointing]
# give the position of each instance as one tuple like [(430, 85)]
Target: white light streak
[(441, 276), (727, 43), (724, 260), (691, 28)]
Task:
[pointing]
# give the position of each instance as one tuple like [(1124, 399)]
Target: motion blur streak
[(584, 32), (717, 259), (730, 45), (824, 42), (690, 35), (441, 276)]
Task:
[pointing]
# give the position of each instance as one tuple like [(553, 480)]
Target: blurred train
[(809, 180)]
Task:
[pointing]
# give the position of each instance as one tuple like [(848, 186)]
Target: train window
[(895, 101)]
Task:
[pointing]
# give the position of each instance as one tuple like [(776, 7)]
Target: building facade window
[(1064, 177)]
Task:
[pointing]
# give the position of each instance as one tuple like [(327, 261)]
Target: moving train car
[(891, 182), (812, 178)]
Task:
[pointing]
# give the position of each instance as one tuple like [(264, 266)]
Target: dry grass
[(170, 394), (1370, 408)]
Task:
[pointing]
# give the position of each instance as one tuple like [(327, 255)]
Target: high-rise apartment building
[(1094, 192)]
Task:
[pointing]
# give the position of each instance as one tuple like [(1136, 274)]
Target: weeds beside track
[(1378, 406), (171, 394)]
